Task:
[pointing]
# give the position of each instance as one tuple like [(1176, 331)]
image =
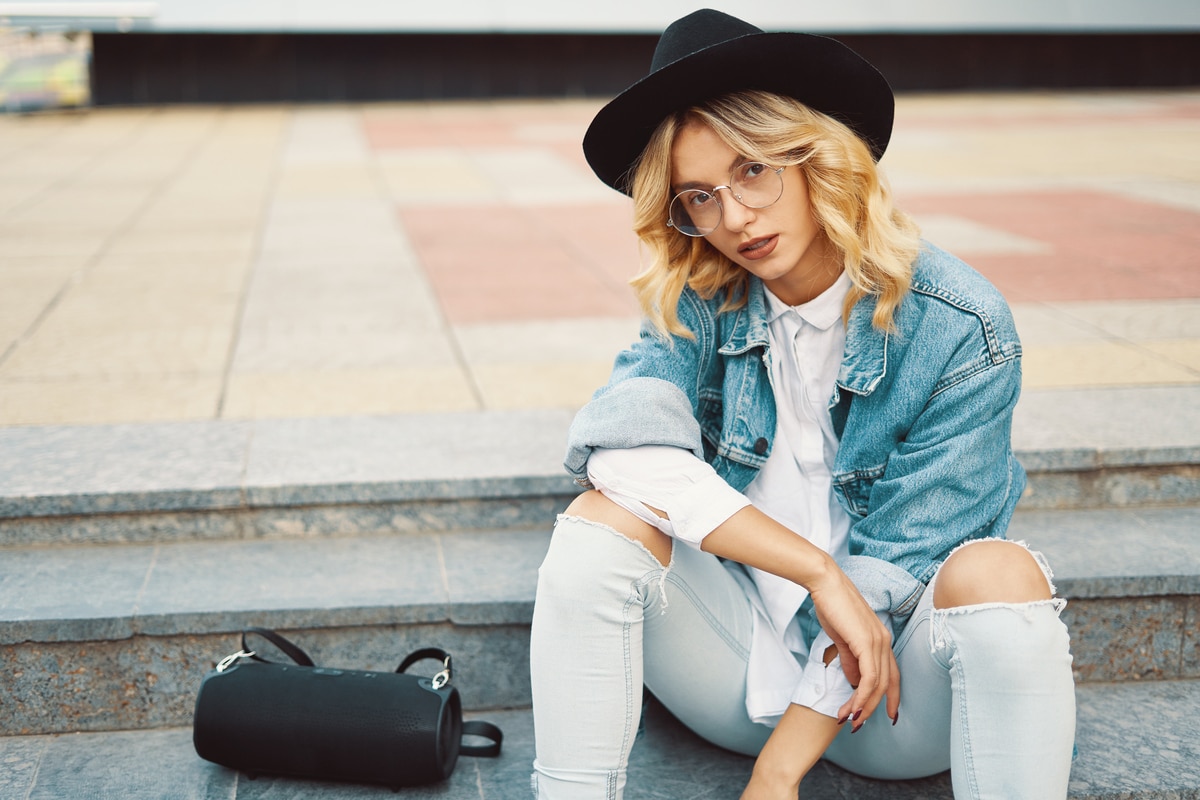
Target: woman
[(801, 475)]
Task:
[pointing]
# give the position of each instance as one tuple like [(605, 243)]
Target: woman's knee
[(990, 571), (595, 507)]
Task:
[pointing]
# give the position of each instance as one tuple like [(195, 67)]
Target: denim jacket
[(923, 415)]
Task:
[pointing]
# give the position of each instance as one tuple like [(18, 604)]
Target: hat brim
[(820, 72)]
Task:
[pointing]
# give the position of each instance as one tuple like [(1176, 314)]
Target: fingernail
[(856, 729), (845, 719), (895, 719), (857, 714)]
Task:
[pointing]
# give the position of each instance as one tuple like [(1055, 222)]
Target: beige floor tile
[(309, 180), (436, 176), (1138, 320), (1088, 365), (90, 401), (70, 244), (326, 344), (546, 341), (347, 392), (1185, 352), (512, 386), (172, 242), (87, 310), (1043, 324), (118, 353)]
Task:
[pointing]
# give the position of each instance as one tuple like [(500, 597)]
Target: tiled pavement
[(231, 263)]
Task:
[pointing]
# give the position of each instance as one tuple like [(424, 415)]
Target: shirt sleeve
[(693, 498), (822, 688)]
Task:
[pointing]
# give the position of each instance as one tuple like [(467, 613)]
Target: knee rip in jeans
[(663, 571), (939, 616)]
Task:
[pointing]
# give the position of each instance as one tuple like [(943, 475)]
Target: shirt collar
[(822, 312)]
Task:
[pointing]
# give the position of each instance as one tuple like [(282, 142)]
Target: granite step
[(1136, 741), (482, 470), (96, 637)]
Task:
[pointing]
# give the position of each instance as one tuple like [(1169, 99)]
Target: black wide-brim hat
[(708, 54)]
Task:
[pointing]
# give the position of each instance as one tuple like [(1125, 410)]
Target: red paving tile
[(514, 264), (1103, 247)]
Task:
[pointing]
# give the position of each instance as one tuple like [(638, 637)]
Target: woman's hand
[(863, 643)]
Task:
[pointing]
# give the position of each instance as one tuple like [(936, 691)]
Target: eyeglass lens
[(695, 212)]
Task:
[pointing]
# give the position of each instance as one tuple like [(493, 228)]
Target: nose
[(734, 215)]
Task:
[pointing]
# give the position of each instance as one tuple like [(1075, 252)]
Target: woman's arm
[(863, 643), (672, 485), (800, 738)]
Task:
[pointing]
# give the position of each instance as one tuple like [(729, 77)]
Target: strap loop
[(486, 730), (290, 649)]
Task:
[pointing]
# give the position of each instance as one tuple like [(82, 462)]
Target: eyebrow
[(683, 187)]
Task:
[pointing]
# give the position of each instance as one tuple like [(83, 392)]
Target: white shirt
[(794, 487)]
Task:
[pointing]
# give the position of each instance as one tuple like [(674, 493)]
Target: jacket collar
[(864, 362)]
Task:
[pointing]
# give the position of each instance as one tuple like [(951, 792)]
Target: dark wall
[(133, 68)]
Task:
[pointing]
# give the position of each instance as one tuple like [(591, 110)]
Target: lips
[(760, 247)]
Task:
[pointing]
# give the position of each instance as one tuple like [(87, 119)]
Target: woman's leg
[(986, 684), (614, 610)]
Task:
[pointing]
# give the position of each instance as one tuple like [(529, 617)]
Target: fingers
[(874, 674)]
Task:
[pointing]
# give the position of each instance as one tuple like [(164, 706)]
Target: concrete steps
[(123, 632), (131, 556)]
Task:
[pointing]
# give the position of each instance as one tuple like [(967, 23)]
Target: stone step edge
[(1057, 478)]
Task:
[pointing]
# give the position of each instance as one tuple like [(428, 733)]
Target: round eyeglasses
[(695, 212)]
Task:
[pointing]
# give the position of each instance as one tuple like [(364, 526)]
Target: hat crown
[(695, 32)]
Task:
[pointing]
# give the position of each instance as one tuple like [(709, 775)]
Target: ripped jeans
[(986, 691)]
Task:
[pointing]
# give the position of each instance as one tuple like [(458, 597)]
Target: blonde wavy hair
[(851, 203)]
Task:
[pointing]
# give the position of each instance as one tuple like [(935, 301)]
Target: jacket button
[(760, 446)]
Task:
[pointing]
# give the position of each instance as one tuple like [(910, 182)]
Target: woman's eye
[(699, 199), (750, 171)]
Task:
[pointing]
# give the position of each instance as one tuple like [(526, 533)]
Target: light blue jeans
[(986, 691)]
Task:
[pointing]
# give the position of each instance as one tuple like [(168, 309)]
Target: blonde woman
[(799, 478)]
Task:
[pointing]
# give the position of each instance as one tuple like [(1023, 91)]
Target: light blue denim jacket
[(923, 414)]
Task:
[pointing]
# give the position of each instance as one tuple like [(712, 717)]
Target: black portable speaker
[(299, 720)]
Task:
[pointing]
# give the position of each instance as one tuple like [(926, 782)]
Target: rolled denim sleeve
[(652, 396)]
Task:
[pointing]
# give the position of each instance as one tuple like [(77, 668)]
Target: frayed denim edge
[(662, 578)]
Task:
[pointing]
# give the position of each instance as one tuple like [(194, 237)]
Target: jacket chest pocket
[(855, 487)]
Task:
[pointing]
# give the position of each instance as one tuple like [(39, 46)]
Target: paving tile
[(20, 758), (104, 400), (1137, 321), (546, 341), (549, 385), (436, 175), (1105, 364), (508, 267), (132, 766), (1104, 246), (63, 350), (966, 238), (342, 390)]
